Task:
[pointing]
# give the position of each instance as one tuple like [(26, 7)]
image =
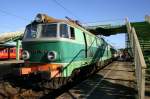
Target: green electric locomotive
[(57, 48)]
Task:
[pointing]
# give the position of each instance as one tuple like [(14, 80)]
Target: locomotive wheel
[(56, 83)]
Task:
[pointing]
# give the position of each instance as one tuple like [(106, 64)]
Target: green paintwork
[(67, 52), (70, 52), (17, 49), (143, 33)]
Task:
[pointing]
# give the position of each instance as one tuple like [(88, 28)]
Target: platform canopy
[(10, 36)]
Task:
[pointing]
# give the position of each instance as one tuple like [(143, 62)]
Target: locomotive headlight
[(52, 55), (25, 55)]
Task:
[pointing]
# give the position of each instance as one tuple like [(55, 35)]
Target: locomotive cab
[(49, 32), (47, 27), (43, 45)]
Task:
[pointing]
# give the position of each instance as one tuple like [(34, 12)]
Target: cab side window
[(64, 31), (72, 33), (5, 51)]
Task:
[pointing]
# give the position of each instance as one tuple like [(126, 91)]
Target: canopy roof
[(10, 36)]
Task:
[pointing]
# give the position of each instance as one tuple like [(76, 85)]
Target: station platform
[(10, 61), (116, 81)]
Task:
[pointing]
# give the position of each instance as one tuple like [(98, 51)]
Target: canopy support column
[(17, 50)]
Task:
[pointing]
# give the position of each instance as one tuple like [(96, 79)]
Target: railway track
[(19, 88), (12, 88), (9, 91)]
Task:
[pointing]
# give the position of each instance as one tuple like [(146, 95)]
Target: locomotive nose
[(41, 51)]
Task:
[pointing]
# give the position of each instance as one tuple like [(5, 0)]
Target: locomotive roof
[(47, 19)]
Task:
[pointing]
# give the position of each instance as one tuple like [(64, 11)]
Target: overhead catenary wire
[(82, 22), (67, 10), (14, 15)]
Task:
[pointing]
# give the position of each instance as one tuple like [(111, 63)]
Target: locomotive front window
[(49, 30), (64, 31), (31, 31)]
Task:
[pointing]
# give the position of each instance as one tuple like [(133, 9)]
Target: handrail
[(139, 61), (137, 44), (81, 51), (76, 57)]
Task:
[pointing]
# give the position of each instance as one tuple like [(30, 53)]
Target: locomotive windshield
[(40, 31), (49, 30), (31, 31), (46, 31)]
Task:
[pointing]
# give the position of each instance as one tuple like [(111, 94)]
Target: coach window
[(11, 51), (6, 50), (72, 33), (64, 31)]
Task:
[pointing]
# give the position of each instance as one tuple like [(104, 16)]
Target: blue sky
[(15, 14)]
